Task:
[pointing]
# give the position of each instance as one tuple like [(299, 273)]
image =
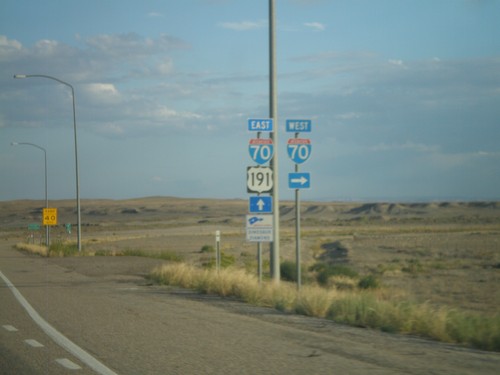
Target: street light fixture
[(47, 235), (18, 76)]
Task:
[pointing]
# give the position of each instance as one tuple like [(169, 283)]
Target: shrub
[(368, 282), (325, 271), (63, 249), (226, 260), (413, 267), (288, 270), (207, 249)]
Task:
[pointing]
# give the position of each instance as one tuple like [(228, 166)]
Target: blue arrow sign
[(260, 204), (299, 180)]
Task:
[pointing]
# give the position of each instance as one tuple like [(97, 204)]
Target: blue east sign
[(260, 125)]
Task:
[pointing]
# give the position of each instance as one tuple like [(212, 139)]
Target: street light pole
[(273, 104), (47, 231), (79, 234)]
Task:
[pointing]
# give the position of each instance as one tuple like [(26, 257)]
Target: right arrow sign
[(299, 180)]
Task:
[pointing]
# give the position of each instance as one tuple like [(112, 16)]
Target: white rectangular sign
[(259, 228)]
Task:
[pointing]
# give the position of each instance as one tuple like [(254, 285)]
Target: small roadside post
[(217, 250)]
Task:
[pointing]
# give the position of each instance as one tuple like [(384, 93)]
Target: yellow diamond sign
[(49, 216)]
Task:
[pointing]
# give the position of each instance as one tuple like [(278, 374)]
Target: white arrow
[(260, 204), (302, 180)]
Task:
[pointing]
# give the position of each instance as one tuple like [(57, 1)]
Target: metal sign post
[(297, 231), (299, 151)]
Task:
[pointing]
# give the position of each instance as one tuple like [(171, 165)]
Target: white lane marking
[(10, 328), (58, 337), (33, 343), (68, 364)]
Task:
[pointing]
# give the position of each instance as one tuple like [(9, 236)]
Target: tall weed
[(363, 308)]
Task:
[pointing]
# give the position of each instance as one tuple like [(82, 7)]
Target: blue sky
[(404, 96)]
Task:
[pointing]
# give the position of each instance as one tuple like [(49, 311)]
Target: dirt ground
[(446, 253)]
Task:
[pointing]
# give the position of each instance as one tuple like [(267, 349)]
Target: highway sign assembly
[(261, 150), (49, 216), (298, 126), (299, 149), (299, 180), (260, 125), (260, 204), (259, 179), (259, 228)]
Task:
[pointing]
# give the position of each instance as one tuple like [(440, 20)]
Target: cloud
[(110, 129), (155, 15), (395, 62), (348, 116), (165, 67), (316, 26), (459, 159), (243, 25), (407, 146), (101, 93), (9, 47), (132, 44)]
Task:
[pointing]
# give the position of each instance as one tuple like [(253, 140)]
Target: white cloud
[(165, 67), (101, 93), (316, 26), (110, 129), (407, 146), (348, 116), (459, 159), (133, 45), (155, 15), (395, 62), (8, 47), (243, 25)]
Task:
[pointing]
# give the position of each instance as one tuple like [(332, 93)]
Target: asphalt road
[(106, 308)]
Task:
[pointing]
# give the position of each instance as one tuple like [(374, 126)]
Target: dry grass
[(373, 309), (32, 249)]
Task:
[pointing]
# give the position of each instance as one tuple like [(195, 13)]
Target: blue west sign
[(298, 126)]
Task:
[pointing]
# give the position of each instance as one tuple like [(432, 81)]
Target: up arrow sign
[(299, 180), (260, 204)]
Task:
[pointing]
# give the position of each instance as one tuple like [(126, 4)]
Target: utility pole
[(273, 106)]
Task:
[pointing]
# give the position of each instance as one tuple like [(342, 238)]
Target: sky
[(403, 97)]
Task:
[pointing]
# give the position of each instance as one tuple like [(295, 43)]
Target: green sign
[(34, 226)]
